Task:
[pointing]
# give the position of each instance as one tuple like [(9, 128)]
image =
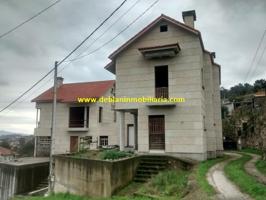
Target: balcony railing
[(78, 124), (161, 92)]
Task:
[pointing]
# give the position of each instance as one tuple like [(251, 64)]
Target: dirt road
[(223, 186)]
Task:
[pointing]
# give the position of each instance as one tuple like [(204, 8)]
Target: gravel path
[(223, 186), (251, 169)]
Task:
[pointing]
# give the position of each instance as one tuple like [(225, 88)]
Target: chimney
[(59, 81), (189, 17)]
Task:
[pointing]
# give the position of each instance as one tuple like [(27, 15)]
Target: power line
[(255, 56), (107, 29), (101, 24), (77, 47), (24, 93), (259, 60), (123, 30), (70, 61), (28, 20)]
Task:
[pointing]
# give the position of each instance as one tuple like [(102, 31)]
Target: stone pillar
[(121, 130)]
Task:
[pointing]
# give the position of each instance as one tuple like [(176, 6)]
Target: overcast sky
[(231, 28)]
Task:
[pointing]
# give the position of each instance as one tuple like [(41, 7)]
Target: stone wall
[(92, 177)]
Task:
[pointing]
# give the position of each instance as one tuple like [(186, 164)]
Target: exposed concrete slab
[(26, 161)]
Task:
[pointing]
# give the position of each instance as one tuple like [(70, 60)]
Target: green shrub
[(252, 150), (168, 183), (261, 166), (114, 154)]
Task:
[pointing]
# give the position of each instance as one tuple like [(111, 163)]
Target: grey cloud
[(230, 28)]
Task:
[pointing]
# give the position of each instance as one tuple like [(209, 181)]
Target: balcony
[(78, 125), (163, 51), (161, 92)]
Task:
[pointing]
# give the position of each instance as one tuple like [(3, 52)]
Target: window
[(114, 116), (163, 28), (38, 114), (202, 79), (161, 82), (103, 140), (100, 114), (44, 140), (78, 117)]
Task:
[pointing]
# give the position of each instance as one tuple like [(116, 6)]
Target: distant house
[(6, 154), (166, 59), (229, 105)]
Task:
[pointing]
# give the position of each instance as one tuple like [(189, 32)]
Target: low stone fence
[(97, 178)]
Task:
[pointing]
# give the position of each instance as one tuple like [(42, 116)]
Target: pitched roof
[(68, 93), (5, 151), (151, 25), (111, 66)]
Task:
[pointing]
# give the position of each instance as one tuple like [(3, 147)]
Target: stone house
[(6, 154), (166, 59), (75, 122)]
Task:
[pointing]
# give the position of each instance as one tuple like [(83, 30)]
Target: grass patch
[(90, 154), (170, 183), (248, 184), (251, 150), (202, 171), (66, 196), (261, 166), (114, 154)]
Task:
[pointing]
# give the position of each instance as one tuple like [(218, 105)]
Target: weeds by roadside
[(248, 184), (202, 171)]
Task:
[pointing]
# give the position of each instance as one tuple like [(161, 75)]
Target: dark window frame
[(104, 140), (164, 28), (100, 117), (85, 121), (161, 86)]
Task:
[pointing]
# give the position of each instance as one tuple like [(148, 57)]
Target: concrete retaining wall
[(20, 179), (92, 177)]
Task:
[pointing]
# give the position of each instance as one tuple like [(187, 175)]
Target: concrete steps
[(41, 189), (150, 166)]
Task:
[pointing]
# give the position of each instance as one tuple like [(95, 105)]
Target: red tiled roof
[(5, 151), (68, 93)]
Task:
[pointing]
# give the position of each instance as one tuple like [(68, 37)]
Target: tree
[(5, 144), (225, 112), (260, 120), (27, 149), (259, 85)]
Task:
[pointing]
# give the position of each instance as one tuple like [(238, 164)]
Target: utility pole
[(51, 168)]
